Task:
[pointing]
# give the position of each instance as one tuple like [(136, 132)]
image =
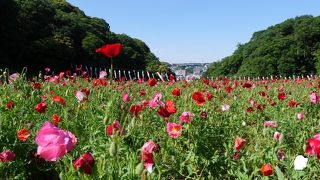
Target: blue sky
[(194, 30)]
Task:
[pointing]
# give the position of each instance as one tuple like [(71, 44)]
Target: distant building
[(193, 70), (181, 72), (197, 70)]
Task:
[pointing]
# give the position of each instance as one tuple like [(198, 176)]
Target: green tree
[(288, 48), (53, 33)]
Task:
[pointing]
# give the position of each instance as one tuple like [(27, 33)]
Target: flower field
[(76, 127)]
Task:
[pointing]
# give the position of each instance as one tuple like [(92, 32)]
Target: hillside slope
[(288, 48), (53, 33)]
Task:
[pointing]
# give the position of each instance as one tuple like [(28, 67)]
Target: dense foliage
[(288, 48), (221, 129), (53, 33)]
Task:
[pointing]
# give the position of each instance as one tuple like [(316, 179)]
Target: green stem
[(111, 74)]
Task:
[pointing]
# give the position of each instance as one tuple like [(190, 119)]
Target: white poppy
[(80, 96), (225, 107), (300, 162)]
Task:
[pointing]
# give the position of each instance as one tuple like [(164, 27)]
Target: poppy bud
[(113, 149), (139, 168)]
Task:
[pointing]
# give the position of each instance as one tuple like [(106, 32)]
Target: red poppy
[(86, 91), (23, 134), (113, 128), (59, 100), (10, 104), (36, 86), (171, 78), (292, 103), (261, 107), (176, 92), (206, 81), (145, 103), (99, 82), (136, 109), (247, 85), (110, 50), (236, 155), (263, 93), (168, 109), (198, 98), (266, 170), (281, 96), (203, 115), (209, 96), (228, 89), (41, 107), (214, 86), (225, 81), (56, 119), (152, 82), (271, 102), (163, 112), (85, 163), (249, 109), (142, 92)]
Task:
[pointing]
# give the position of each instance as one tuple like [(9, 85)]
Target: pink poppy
[(80, 96), (313, 147), (125, 97), (239, 143), (203, 115), (146, 154), (102, 74), (174, 130), (7, 156), (314, 97), (277, 136), (47, 69), (272, 124), (156, 100), (281, 154), (53, 143), (252, 102), (300, 116), (186, 117), (13, 77)]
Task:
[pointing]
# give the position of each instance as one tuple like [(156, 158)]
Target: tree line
[(289, 48), (53, 33)]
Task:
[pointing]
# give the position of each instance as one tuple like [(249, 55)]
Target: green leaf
[(279, 173)]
